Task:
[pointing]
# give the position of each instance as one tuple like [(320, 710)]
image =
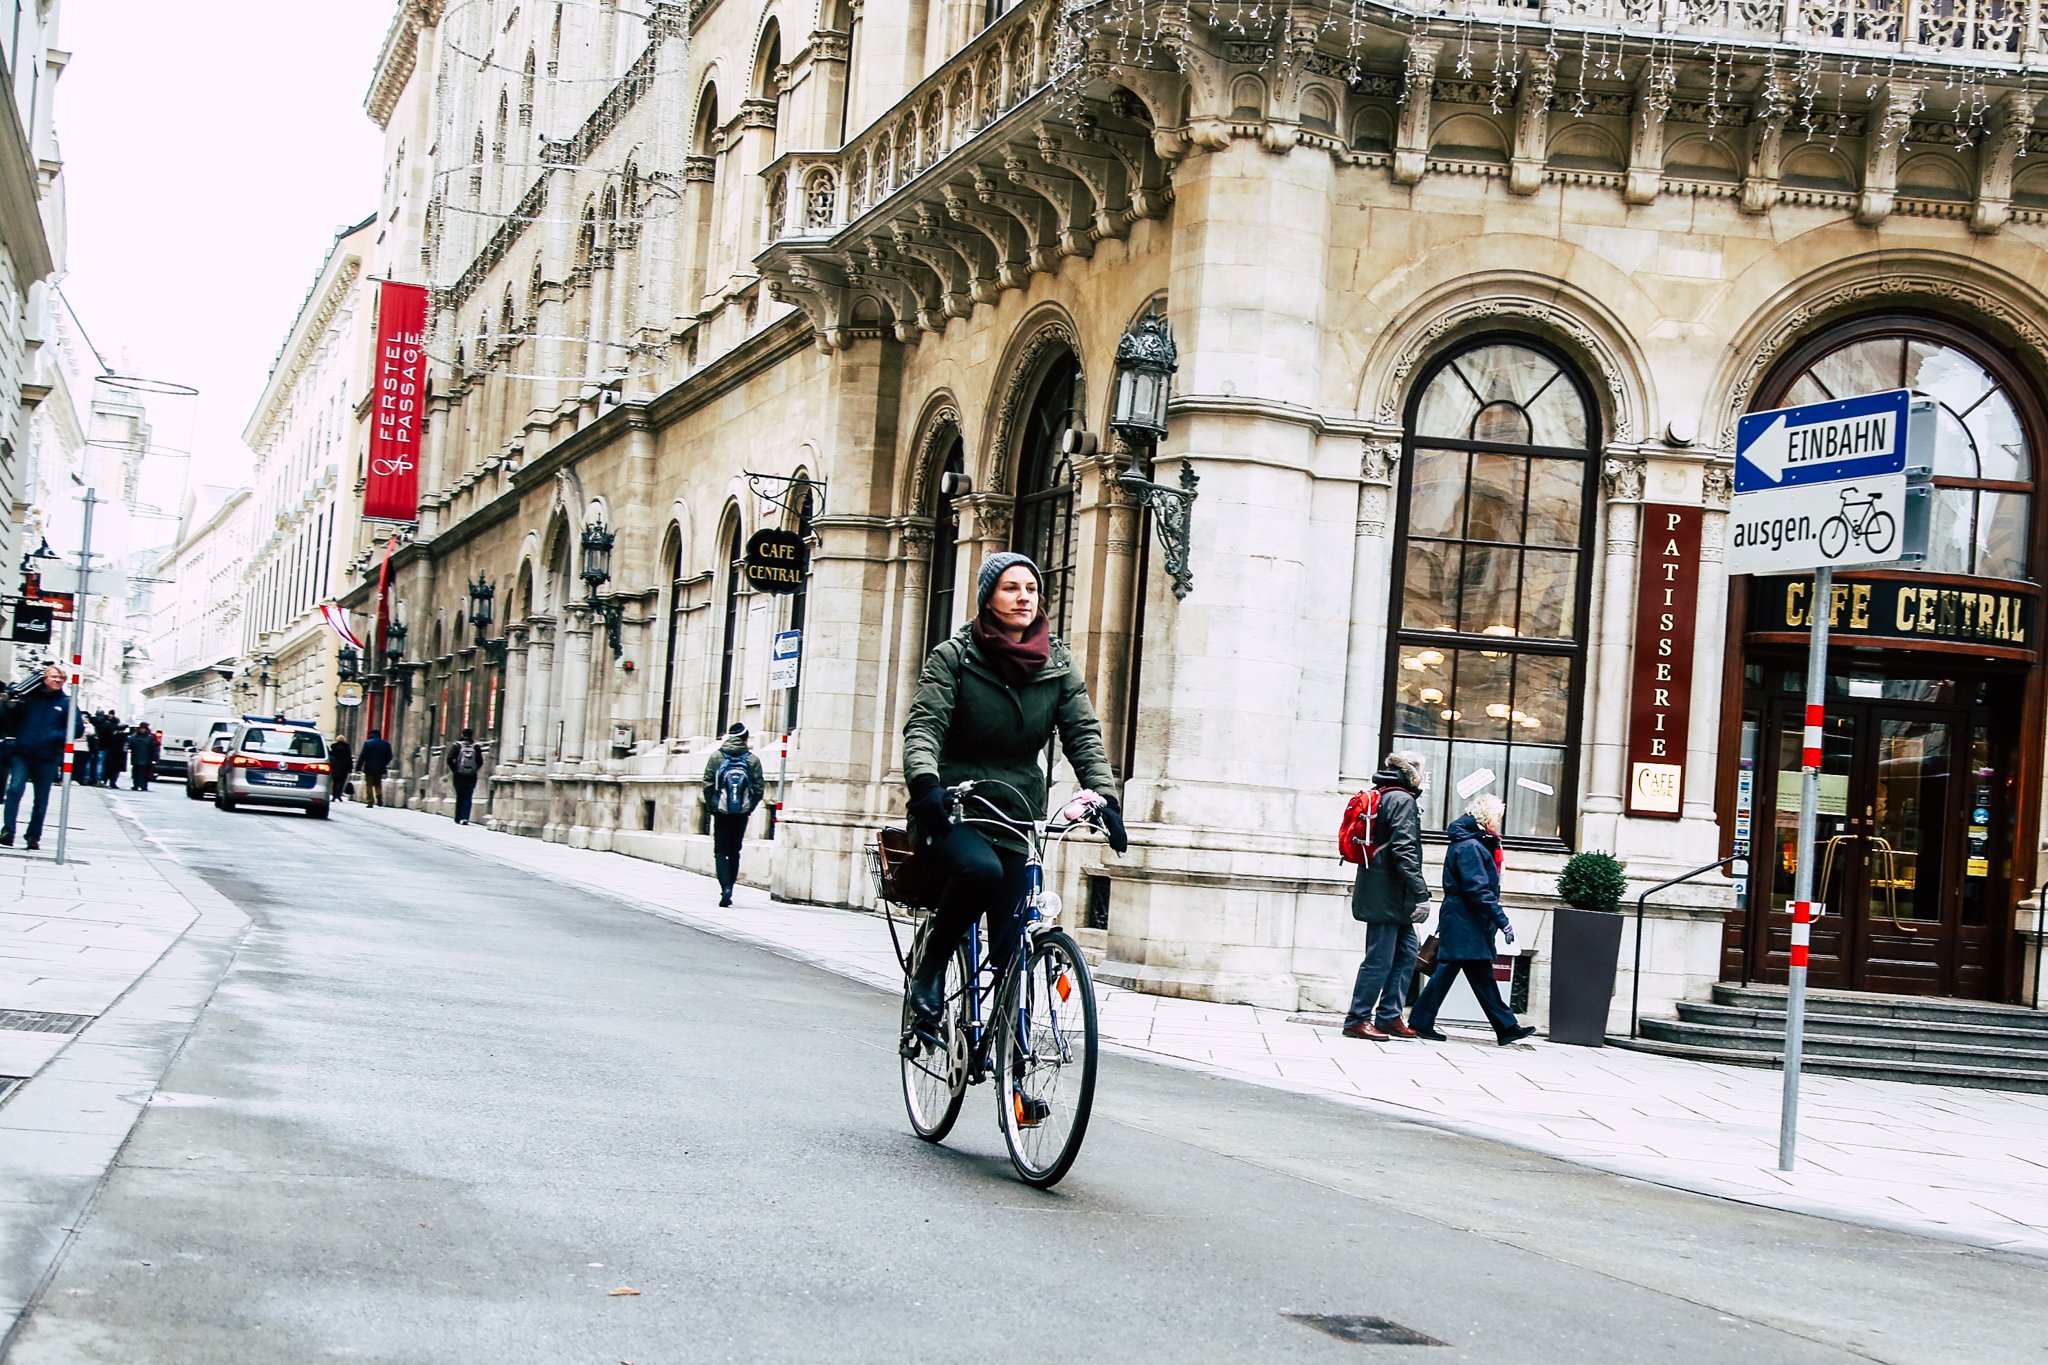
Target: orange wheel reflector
[(1064, 984)]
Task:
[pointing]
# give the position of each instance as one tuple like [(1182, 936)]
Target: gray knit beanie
[(993, 569)]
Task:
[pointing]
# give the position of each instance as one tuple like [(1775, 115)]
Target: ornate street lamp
[(597, 571), (348, 665), (483, 595), (1146, 359), (394, 644)]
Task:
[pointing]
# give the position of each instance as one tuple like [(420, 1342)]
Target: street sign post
[(1820, 487)]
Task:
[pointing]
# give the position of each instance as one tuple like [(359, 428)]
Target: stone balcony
[(1059, 126)]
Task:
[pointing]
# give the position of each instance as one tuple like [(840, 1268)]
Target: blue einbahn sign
[(1821, 486)]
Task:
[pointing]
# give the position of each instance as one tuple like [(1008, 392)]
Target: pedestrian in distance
[(733, 787), (143, 747), (465, 762), (114, 761), (37, 721), (375, 761), (88, 773), (341, 762), (1391, 897), (1470, 917)]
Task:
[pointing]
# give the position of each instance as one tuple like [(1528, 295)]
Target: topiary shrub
[(1593, 881)]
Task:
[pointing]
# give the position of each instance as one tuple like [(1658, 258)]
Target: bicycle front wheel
[(935, 1078), (1045, 1059), (1879, 532)]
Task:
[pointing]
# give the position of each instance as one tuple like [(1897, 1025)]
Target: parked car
[(271, 761), (202, 777)]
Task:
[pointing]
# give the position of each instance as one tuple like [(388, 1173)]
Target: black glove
[(1111, 817), (928, 807)]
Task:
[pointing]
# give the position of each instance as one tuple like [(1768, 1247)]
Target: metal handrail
[(1635, 985)]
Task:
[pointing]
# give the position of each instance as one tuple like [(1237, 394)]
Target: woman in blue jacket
[(1470, 917)]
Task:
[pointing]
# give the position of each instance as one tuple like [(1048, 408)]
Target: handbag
[(1425, 960)]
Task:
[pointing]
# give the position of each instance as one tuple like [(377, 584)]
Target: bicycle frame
[(981, 987)]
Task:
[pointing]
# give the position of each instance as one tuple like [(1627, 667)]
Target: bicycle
[(1034, 1029), (1859, 517)]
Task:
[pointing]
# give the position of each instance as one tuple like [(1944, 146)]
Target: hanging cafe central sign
[(776, 561), (1909, 612)]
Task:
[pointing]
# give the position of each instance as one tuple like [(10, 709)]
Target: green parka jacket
[(966, 724)]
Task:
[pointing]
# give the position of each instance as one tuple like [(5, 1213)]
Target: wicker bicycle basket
[(901, 876)]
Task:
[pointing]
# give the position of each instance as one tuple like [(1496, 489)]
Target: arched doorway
[(1932, 741), (1044, 525)]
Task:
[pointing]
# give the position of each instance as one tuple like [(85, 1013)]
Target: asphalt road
[(438, 1110)]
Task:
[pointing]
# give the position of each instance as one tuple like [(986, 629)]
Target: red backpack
[(1354, 832)]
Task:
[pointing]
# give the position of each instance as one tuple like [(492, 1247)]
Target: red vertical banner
[(392, 487), (1667, 601)]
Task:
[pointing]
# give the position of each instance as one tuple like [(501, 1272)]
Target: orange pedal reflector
[(1064, 984)]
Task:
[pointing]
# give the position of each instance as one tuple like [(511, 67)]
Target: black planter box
[(1585, 945)]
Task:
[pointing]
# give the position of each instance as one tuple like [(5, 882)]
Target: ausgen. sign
[(1822, 485)]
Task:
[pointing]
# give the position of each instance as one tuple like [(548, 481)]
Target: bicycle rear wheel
[(1045, 1059), (935, 1078)]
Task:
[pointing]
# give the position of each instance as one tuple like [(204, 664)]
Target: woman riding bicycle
[(987, 704)]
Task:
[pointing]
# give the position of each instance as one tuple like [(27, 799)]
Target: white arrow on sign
[(1770, 450)]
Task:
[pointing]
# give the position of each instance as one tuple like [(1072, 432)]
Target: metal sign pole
[(78, 610), (1802, 873)]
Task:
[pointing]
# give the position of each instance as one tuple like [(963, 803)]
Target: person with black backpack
[(1390, 896), (733, 786), (465, 761)]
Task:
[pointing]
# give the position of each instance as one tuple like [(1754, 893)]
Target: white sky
[(211, 151)]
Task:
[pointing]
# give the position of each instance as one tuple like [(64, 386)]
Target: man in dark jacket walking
[(374, 761), (341, 761), (143, 747), (1471, 916), (733, 786), (1391, 897), (465, 761), (38, 723)]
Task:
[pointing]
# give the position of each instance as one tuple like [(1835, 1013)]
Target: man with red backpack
[(1382, 833)]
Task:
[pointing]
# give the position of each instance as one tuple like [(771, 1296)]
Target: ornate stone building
[(1467, 304)]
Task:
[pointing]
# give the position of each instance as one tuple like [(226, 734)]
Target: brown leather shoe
[(1365, 1031), (1397, 1029)]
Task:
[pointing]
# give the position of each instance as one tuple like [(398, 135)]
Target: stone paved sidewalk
[(1952, 1162), (131, 941)]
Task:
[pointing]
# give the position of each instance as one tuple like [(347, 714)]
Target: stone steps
[(1899, 1038)]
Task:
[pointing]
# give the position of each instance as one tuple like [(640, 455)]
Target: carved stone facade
[(1324, 225)]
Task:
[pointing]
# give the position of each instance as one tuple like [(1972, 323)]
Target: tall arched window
[(940, 617), (735, 563), (1983, 466), (1489, 612), (675, 631), (1045, 486)]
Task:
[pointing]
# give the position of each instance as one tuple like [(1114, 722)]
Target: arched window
[(526, 82), (1489, 612), (476, 167), (1045, 486), (1983, 462), (940, 617), (501, 130), (675, 631), (735, 563)]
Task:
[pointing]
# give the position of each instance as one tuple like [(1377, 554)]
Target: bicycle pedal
[(1030, 1111)]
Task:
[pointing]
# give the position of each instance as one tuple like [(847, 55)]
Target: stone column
[(699, 208), (985, 521), (1107, 523), (1613, 647), (540, 667), (575, 682), (1214, 901), (913, 562), (1709, 661), (1365, 659), (512, 706)]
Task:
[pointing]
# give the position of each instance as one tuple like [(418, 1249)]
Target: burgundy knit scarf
[(1016, 662)]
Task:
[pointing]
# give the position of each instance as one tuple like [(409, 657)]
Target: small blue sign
[(788, 643), (1846, 438), (1980, 816)]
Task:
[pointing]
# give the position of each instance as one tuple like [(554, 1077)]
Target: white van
[(186, 722)]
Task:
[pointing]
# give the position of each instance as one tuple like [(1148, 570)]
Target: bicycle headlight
[(1049, 906)]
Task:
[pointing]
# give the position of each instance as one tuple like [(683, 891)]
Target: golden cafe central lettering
[(777, 561), (1904, 611)]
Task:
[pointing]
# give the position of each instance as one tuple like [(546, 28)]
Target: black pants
[(986, 880), (728, 832), (139, 775), (465, 788), (1480, 975)]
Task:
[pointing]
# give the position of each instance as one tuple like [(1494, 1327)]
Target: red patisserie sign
[(1667, 601), (392, 490)]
